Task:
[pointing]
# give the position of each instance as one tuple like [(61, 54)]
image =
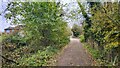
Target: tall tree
[(42, 19), (87, 21)]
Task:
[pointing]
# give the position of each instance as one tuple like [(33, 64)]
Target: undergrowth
[(97, 56), (40, 58)]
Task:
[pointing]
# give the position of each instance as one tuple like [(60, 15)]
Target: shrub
[(82, 39), (76, 30)]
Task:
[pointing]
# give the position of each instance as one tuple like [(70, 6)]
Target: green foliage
[(15, 39), (82, 39), (0, 38), (103, 28), (87, 22), (44, 31), (76, 30), (95, 53), (40, 58)]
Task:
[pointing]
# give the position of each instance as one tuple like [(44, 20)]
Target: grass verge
[(0, 38), (97, 56), (94, 53)]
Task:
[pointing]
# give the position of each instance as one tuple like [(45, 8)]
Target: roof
[(9, 28), (15, 28)]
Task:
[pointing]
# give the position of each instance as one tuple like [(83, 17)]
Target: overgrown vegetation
[(45, 33), (40, 58), (0, 38), (82, 39), (77, 30), (102, 31)]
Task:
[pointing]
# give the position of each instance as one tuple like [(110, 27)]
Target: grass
[(0, 38), (97, 55)]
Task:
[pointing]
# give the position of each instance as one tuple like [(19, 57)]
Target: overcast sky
[(4, 24), (73, 6)]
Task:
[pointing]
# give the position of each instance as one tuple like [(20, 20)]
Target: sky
[(3, 22), (67, 9), (72, 7)]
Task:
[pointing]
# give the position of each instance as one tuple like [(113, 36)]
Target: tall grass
[(0, 38)]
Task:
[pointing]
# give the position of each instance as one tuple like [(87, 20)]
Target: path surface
[(74, 55)]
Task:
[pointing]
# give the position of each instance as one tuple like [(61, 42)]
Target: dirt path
[(74, 55)]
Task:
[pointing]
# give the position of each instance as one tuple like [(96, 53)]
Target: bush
[(77, 30), (44, 27), (82, 39), (40, 58)]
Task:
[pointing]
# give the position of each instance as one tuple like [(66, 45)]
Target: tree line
[(101, 29)]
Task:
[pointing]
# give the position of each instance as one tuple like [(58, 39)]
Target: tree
[(103, 28), (87, 21), (76, 30), (43, 22)]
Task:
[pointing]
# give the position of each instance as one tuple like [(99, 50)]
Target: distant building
[(12, 30)]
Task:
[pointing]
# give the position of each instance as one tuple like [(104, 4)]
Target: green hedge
[(82, 39)]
